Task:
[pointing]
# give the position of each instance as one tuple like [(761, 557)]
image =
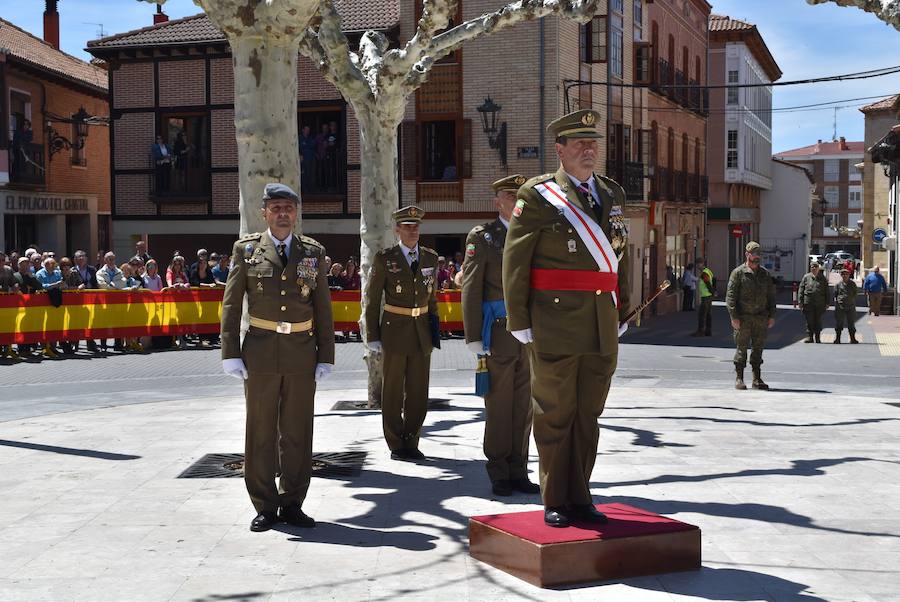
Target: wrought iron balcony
[(680, 193), (26, 164), (630, 176)]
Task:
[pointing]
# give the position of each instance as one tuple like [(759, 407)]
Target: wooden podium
[(635, 542)]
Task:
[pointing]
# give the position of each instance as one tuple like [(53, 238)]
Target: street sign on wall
[(879, 234)]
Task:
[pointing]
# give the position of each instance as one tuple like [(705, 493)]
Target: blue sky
[(806, 41)]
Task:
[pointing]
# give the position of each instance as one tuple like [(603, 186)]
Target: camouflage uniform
[(813, 299), (845, 294), (750, 299)]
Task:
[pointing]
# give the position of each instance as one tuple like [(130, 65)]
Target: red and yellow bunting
[(120, 314)]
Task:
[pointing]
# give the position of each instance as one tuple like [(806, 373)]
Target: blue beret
[(275, 190)]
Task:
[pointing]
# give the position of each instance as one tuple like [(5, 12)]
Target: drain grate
[(361, 405), (324, 464)]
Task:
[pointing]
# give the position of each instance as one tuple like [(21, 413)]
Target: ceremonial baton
[(662, 286)]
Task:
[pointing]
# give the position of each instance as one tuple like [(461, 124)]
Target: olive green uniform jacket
[(562, 322), (392, 280), (276, 293), (750, 293), (813, 291)]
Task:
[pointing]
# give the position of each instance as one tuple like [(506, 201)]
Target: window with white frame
[(638, 20), (855, 174), (733, 92), (831, 196), (853, 219), (732, 156), (832, 170), (829, 223), (854, 199)]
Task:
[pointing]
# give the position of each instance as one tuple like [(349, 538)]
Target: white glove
[(623, 329), (477, 347), (235, 367), (523, 336), (374, 346), (322, 371)]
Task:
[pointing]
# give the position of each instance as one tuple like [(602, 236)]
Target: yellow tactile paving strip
[(888, 343)]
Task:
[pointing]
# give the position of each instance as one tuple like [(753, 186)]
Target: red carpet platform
[(635, 542)]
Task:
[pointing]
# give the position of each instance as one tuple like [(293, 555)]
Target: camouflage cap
[(752, 247), (580, 124), (513, 182), (408, 215), (276, 190)]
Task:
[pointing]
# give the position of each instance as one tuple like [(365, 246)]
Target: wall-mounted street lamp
[(57, 142), (496, 136)]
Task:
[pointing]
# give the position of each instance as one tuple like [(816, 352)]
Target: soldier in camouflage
[(845, 293), (812, 297), (751, 305)]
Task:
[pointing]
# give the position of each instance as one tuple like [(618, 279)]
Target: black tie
[(414, 261), (593, 205), (282, 253)]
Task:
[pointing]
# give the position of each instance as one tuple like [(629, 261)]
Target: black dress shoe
[(525, 486), (399, 454), (501, 487), (415, 454), (589, 513), (294, 515), (263, 521), (556, 517)]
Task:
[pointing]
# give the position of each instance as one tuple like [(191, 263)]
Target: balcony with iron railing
[(679, 88), (680, 193), (630, 176), (693, 188), (26, 164), (663, 183)]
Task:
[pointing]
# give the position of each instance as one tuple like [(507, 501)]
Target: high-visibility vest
[(706, 291)]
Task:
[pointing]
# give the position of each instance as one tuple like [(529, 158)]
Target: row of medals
[(251, 258)]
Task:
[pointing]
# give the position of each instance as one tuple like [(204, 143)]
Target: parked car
[(840, 257)]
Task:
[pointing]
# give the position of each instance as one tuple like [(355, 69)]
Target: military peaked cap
[(513, 182), (276, 190), (580, 124), (408, 215)]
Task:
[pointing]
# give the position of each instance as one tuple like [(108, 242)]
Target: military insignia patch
[(488, 237), (470, 250), (588, 119), (520, 205), (615, 211), (520, 180)]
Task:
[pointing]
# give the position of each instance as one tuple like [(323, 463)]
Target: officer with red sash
[(565, 280)]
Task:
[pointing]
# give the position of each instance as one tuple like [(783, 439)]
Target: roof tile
[(884, 104), (726, 23), (825, 148), (35, 51), (355, 16)]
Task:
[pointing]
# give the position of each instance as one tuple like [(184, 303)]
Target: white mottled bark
[(886, 10), (263, 35)]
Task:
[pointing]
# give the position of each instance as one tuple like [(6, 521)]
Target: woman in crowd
[(202, 276), (177, 279), (152, 280), (51, 278), (71, 277), (351, 276), (221, 269), (335, 279), (132, 283)]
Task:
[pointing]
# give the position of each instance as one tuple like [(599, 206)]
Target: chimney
[(51, 24), (160, 16), (843, 143)]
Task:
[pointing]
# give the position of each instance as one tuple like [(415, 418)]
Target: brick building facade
[(175, 77), (54, 176), (678, 183)]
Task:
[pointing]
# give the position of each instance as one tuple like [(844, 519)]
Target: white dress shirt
[(406, 250), (286, 242)]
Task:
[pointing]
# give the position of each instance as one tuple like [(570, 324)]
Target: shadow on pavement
[(69, 451)]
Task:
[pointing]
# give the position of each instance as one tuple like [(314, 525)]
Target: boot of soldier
[(809, 337), (853, 338), (837, 337), (739, 378), (758, 381), (818, 337)]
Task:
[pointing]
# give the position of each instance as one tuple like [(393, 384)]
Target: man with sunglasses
[(751, 305)]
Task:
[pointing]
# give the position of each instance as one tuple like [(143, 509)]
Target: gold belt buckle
[(416, 311), (283, 327)]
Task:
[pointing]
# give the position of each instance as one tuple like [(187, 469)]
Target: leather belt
[(574, 280), (406, 311), (281, 327)]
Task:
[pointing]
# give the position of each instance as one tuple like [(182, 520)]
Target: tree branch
[(435, 16), (329, 50), (886, 10)]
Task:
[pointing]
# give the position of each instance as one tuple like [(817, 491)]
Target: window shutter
[(409, 150), (466, 149)]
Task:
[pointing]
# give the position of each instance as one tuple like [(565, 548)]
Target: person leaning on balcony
[(162, 164), (875, 286), (288, 349)]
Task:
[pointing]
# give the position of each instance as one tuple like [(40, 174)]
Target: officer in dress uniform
[(507, 426), (288, 348), (751, 304), (565, 280), (404, 276)]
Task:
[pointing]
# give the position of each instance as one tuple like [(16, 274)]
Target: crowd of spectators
[(37, 271)]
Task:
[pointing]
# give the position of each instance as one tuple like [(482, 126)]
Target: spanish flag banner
[(107, 314)]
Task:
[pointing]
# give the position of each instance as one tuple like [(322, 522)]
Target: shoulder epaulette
[(249, 237), (427, 250), (311, 241), (539, 179)]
